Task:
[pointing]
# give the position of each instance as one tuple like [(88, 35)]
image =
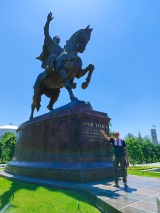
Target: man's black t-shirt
[(118, 146)]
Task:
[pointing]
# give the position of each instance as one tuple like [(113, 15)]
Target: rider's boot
[(49, 70), (50, 107)]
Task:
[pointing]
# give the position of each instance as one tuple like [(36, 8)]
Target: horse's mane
[(71, 44)]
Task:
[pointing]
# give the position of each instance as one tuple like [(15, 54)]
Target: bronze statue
[(61, 66)]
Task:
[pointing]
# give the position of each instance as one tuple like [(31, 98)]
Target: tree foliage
[(141, 150), (134, 150), (7, 146)]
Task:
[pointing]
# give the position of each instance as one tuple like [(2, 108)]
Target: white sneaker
[(116, 185)]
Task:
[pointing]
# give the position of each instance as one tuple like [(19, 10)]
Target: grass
[(138, 170), (32, 198)]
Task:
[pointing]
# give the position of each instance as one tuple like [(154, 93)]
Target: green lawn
[(30, 198), (138, 170)]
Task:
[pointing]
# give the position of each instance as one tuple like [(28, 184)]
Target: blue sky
[(124, 47)]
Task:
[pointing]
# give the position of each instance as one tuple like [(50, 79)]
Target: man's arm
[(46, 27), (126, 153), (105, 135)]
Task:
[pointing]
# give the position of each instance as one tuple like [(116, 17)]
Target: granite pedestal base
[(64, 144)]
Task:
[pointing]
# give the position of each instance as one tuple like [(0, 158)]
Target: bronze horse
[(67, 66)]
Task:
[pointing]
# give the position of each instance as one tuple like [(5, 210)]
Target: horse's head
[(78, 41), (82, 38)]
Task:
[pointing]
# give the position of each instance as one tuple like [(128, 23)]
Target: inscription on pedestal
[(91, 130)]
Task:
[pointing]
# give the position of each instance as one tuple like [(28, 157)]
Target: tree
[(157, 150), (7, 146), (130, 135), (134, 150), (139, 136), (149, 151)]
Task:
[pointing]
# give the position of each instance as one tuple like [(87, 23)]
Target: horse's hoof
[(74, 99), (84, 85), (50, 108), (38, 107)]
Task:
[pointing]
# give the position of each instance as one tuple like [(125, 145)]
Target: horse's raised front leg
[(67, 84), (86, 83), (35, 103), (82, 72)]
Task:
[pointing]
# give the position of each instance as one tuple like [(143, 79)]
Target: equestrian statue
[(61, 66)]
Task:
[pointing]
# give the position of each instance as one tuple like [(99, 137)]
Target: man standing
[(120, 156)]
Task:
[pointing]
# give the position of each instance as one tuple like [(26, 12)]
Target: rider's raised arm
[(46, 27)]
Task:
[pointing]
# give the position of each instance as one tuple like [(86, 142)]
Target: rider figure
[(51, 48)]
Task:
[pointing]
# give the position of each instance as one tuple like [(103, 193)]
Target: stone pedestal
[(65, 145)]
